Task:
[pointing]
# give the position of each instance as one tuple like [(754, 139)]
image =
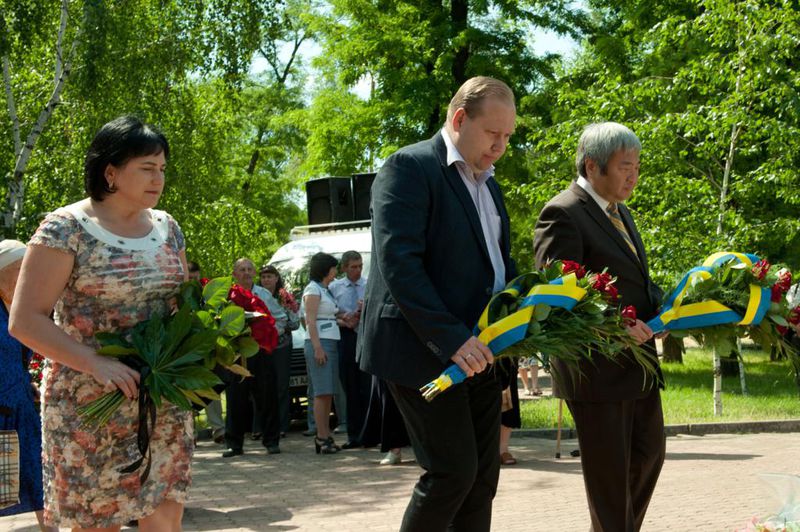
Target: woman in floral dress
[(105, 263)]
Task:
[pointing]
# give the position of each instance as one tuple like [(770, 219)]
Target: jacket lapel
[(597, 214), (457, 184)]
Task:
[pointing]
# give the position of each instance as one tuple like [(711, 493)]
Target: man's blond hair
[(471, 95)]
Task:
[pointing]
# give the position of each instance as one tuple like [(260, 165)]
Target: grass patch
[(772, 393)]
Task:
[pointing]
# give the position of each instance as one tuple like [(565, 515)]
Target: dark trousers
[(261, 389), (622, 450), (384, 423), (356, 384), (456, 440), (283, 365)]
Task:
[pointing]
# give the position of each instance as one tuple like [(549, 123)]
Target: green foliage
[(179, 66), (710, 88), (414, 54)]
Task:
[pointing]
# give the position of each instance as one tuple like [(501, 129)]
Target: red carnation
[(629, 316), (262, 328), (760, 269), (569, 266), (777, 293)]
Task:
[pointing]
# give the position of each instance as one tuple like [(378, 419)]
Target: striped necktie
[(616, 220)]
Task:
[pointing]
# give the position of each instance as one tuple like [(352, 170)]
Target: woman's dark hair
[(319, 266), (116, 143), (269, 268)]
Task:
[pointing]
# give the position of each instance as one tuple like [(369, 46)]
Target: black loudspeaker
[(362, 185), (330, 199)]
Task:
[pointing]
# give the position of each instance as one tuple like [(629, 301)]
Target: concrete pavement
[(709, 483)]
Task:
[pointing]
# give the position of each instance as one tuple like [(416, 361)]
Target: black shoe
[(232, 452), (351, 445), (326, 446), (255, 436), (273, 449), (283, 434), (309, 432)]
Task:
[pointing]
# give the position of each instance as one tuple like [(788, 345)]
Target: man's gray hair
[(600, 141), (348, 257)]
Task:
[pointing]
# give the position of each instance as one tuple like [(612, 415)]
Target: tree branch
[(12, 108)]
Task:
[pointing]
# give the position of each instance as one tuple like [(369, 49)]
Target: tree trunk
[(673, 349), (16, 183), (459, 10), (717, 384), (742, 381)]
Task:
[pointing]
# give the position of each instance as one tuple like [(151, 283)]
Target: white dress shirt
[(484, 203)]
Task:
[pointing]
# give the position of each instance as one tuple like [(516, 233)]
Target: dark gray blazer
[(573, 227), (430, 272)]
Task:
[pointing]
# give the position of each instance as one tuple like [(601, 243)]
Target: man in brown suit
[(616, 407)]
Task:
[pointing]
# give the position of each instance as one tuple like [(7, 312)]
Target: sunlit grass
[(772, 393)]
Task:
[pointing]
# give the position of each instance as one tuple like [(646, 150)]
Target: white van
[(292, 260)]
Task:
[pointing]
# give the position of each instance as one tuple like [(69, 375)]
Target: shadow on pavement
[(711, 456), (208, 519)]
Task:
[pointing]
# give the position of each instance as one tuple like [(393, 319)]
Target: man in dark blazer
[(440, 249), (616, 407)]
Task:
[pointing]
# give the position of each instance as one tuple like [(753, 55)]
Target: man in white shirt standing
[(349, 294)]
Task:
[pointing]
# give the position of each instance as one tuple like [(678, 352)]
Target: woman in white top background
[(321, 345)]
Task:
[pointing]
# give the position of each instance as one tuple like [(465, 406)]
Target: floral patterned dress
[(115, 283)]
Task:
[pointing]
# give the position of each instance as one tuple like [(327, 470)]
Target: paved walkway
[(709, 483)]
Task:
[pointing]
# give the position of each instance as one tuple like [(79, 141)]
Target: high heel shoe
[(326, 446)]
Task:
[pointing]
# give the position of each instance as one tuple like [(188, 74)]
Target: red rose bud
[(600, 281), (569, 266), (204, 281), (612, 293), (783, 330), (629, 316)]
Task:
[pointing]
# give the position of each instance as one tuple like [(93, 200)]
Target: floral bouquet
[(35, 368), (561, 311), (175, 355), (731, 295), (288, 301)]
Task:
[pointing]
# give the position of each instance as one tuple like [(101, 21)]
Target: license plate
[(298, 380)]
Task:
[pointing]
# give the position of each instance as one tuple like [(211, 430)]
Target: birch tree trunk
[(22, 152), (717, 384), (742, 380)]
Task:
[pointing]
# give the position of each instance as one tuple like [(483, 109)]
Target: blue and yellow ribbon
[(676, 316), (563, 292)]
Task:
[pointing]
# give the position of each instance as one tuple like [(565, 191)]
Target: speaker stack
[(330, 199), (362, 186), (339, 199)]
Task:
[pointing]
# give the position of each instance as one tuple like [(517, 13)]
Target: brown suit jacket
[(573, 227)]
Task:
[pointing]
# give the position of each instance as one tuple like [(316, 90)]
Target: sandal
[(507, 459), (536, 392)]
